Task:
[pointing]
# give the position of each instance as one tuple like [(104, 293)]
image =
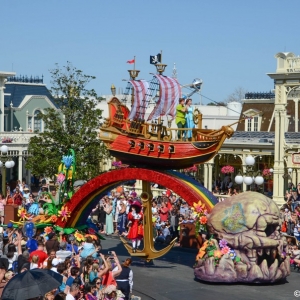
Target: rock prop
[(245, 244)]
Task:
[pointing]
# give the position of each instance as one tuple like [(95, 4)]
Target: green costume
[(180, 120), (180, 115)]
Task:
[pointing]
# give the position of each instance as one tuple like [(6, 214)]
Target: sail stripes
[(139, 108), (169, 94)]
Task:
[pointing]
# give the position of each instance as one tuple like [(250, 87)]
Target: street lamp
[(5, 163), (249, 178)]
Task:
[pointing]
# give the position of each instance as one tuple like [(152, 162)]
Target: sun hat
[(110, 288)]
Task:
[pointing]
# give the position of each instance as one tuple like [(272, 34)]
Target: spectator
[(102, 219), (12, 255), (174, 220), (48, 262), (125, 279), (97, 281), (89, 249), (74, 273), (110, 292), (163, 212), (95, 214), (34, 262), (90, 289), (40, 252), (164, 235), (108, 277), (3, 202), (23, 258), (52, 243), (18, 198), (55, 262), (63, 253), (62, 270), (73, 292), (109, 217)]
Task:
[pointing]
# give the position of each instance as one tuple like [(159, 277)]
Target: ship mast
[(133, 75), (160, 67)]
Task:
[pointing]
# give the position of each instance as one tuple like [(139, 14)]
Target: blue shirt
[(69, 248)]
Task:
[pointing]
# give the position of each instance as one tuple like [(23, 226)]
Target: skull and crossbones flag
[(155, 59)]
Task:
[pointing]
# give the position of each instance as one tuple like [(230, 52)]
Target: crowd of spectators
[(225, 186), (87, 272), (168, 212)]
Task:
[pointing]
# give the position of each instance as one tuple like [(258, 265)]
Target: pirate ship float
[(136, 138)]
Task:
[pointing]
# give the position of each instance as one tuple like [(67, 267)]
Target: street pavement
[(171, 277)]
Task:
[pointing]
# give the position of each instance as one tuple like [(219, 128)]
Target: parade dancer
[(135, 224)]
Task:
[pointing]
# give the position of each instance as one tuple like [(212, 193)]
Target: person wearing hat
[(135, 223), (180, 117), (111, 292)]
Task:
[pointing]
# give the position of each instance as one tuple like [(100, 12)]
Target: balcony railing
[(293, 64), (15, 137), (268, 95), (26, 79)]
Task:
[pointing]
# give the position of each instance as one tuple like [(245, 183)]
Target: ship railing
[(164, 133)]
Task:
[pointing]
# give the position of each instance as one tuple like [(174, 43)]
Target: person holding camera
[(108, 278)]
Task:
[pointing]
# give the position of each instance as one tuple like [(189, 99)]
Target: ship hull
[(162, 154)]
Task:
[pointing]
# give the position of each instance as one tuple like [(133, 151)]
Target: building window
[(37, 122), (5, 123), (29, 123), (253, 124), (249, 125)]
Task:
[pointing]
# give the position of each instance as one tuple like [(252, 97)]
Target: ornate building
[(270, 133), (21, 99)]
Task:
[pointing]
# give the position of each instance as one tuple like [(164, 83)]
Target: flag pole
[(134, 63)]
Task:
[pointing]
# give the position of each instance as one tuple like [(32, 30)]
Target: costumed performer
[(135, 224), (189, 116)]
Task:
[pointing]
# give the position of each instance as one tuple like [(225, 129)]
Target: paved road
[(171, 278)]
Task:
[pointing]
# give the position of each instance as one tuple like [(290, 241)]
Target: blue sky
[(228, 44)]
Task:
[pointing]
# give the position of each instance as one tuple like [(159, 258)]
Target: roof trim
[(28, 98)]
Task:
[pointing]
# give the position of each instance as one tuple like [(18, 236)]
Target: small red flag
[(131, 61)]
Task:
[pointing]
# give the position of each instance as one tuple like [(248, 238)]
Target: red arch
[(82, 199)]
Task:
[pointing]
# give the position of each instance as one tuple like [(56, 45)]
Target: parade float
[(55, 208), (245, 243)]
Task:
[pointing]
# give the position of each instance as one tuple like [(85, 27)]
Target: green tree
[(74, 124)]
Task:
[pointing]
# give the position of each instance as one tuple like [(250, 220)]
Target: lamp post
[(5, 163), (248, 177)]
